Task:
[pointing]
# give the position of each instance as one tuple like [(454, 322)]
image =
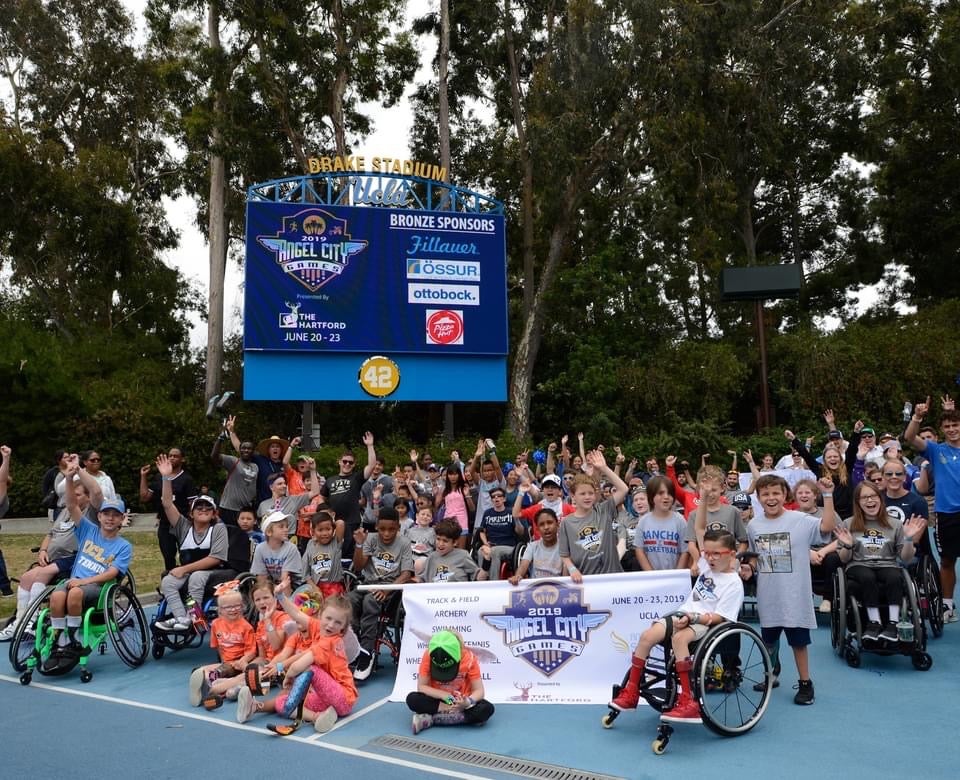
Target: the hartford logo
[(444, 326)]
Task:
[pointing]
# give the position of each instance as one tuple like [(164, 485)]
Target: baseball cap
[(868, 431), (274, 517), (113, 503), (892, 444), (202, 499), (445, 653), (741, 501), (432, 467), (551, 479)]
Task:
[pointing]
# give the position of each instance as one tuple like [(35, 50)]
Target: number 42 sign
[(379, 376)]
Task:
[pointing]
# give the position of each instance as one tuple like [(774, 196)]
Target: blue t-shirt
[(945, 463), (96, 553)]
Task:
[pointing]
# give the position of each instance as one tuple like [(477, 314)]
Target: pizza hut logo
[(444, 326)]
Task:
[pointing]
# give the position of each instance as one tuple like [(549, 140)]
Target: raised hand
[(5, 451), (671, 460), (311, 463), (858, 426), (295, 441), (748, 456), (480, 449), (73, 464), (367, 439), (922, 408), (145, 470), (829, 418), (915, 527), (825, 483), (633, 464), (789, 435), (564, 439), (595, 458), (580, 436), (163, 465), (947, 403), (414, 455), (704, 458), (229, 423), (843, 535)]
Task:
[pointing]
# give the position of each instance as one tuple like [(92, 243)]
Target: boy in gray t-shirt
[(541, 558), (383, 557), (448, 563), (321, 558), (781, 541)]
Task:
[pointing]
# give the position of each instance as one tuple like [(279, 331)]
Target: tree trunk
[(217, 221), (340, 81), (443, 103)]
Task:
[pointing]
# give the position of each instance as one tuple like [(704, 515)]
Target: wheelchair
[(926, 576), (389, 621), (848, 616), (161, 641), (116, 614), (728, 662)]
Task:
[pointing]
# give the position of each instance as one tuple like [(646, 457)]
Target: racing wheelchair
[(848, 618), (730, 664), (201, 614), (116, 613)]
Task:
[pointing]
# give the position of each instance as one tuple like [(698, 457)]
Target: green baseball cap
[(445, 656)]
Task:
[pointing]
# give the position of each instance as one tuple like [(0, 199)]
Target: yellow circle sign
[(379, 376)]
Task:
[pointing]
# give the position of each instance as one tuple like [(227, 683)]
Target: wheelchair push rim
[(735, 707), (27, 644), (126, 625)]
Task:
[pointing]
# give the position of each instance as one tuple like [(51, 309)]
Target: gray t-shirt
[(876, 546), (783, 568), (723, 518), (544, 561), (321, 562), (590, 542), (289, 505), (274, 563), (63, 541), (423, 539), (385, 562), (455, 566), (662, 540), (240, 489), (215, 541)]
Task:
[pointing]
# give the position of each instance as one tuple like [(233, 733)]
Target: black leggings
[(421, 703), (831, 562), (877, 585)]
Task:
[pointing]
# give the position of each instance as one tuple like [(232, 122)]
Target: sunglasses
[(348, 462), (893, 473), (876, 480), (93, 460)]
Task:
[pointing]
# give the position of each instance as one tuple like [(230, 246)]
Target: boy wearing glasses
[(716, 596)]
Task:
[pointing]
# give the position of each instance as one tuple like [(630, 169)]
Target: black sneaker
[(762, 686), (889, 634), (804, 692), (871, 635), (363, 665)]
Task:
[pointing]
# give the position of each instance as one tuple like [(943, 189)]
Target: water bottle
[(907, 411), (905, 630), (194, 611)]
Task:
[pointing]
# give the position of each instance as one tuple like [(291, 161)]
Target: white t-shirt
[(720, 593)]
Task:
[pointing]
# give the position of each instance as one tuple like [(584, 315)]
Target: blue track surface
[(882, 720)]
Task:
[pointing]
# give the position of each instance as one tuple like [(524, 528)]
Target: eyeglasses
[(93, 460), (231, 607), (893, 473), (717, 554)]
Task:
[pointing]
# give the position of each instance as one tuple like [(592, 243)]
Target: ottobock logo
[(462, 294), (443, 270), (546, 624), (313, 247), (444, 326)]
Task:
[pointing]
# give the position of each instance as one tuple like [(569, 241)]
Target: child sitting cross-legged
[(332, 692), (233, 637), (716, 596), (449, 686)]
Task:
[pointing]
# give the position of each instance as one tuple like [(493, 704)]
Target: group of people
[(859, 504)]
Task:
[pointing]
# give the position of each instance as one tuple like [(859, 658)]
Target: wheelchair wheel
[(247, 581), (126, 625), (736, 707), (838, 613), (931, 595), (658, 685), (35, 623)]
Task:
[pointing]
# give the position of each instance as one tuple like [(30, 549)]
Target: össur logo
[(313, 247), (444, 326)]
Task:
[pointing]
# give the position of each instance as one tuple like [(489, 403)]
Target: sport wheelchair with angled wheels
[(848, 618), (730, 677), (202, 615), (116, 613)]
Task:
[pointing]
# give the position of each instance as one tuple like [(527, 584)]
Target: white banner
[(545, 641)]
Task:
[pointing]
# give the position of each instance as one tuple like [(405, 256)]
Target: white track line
[(351, 717), (255, 729)]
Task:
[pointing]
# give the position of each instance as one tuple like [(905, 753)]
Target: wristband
[(270, 628), (279, 667), (167, 479), (573, 569), (826, 495), (282, 597)]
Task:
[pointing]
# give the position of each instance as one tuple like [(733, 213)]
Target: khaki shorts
[(699, 629)]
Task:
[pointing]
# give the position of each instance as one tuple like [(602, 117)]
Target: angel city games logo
[(546, 624)]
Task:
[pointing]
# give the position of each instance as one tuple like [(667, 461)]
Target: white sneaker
[(7, 634), (825, 605), (364, 665), (246, 705), (177, 624), (197, 679), (165, 625), (950, 615), (325, 720), (421, 721)]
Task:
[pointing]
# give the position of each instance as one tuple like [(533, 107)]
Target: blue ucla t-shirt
[(96, 553)]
